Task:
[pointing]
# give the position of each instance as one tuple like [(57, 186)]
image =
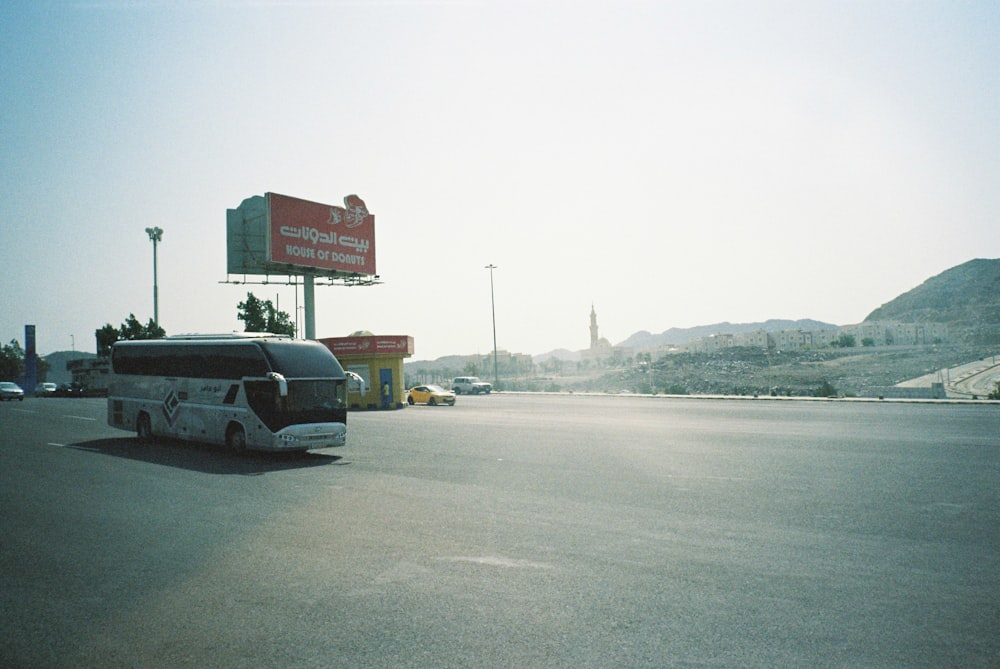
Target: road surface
[(976, 379), (511, 531)]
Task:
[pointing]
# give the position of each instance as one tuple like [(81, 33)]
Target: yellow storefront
[(378, 361)]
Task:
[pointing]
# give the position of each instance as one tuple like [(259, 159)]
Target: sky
[(671, 163)]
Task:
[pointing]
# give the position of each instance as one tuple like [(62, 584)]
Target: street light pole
[(155, 235), (493, 307)]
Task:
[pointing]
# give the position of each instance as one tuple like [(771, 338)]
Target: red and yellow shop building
[(378, 361)]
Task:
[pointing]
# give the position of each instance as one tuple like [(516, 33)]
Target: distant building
[(508, 364), (92, 374), (891, 333), (601, 348), (879, 333)]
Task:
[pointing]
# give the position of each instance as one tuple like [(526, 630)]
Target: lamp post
[(493, 308), (155, 236)]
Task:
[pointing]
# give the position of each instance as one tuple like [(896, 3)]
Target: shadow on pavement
[(205, 457)]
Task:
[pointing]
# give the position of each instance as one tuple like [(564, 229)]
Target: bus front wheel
[(143, 428), (236, 439)]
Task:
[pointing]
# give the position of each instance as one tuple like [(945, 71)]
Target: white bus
[(259, 392)]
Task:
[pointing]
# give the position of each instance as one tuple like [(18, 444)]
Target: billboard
[(274, 234), (370, 345)]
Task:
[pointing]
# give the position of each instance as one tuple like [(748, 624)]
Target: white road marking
[(495, 561)]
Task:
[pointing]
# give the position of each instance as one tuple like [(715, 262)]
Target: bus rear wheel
[(236, 439), (143, 428)]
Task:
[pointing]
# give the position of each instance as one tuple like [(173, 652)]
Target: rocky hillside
[(967, 297), (743, 371)]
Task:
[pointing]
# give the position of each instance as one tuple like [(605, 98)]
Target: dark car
[(69, 390)]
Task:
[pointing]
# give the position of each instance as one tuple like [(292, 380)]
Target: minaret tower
[(593, 326)]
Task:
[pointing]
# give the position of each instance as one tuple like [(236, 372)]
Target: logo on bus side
[(171, 404)]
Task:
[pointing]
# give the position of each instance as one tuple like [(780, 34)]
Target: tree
[(825, 390), (11, 361), (106, 337), (261, 316), (552, 365), (130, 329), (845, 341)]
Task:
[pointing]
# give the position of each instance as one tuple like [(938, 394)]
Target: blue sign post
[(30, 360)]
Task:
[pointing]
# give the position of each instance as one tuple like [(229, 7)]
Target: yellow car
[(430, 395)]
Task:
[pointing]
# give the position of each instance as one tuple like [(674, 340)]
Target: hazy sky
[(673, 163)]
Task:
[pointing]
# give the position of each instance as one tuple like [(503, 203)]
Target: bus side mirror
[(351, 376), (282, 383)]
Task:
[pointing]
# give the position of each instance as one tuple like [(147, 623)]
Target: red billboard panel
[(370, 345), (322, 236)]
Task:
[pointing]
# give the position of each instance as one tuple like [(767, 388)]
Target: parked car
[(69, 390), (11, 391), (470, 385), (46, 389), (431, 395)]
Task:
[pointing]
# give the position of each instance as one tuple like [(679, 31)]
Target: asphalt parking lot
[(511, 531)]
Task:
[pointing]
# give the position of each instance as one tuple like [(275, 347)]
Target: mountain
[(454, 363), (967, 297), (559, 354), (644, 339)]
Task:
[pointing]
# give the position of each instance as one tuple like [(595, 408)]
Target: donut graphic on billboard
[(352, 214)]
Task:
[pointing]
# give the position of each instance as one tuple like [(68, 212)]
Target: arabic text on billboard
[(370, 345), (322, 236)]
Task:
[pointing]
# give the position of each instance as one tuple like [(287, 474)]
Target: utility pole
[(155, 236), (496, 376)]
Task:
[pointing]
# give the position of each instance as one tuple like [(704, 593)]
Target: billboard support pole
[(309, 299)]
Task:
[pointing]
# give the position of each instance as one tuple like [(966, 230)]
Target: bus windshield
[(297, 360), (308, 401)]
